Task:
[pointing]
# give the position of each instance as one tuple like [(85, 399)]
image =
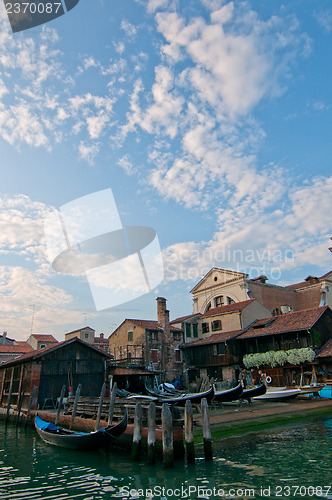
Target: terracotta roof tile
[(16, 349), (215, 338), (183, 318), (326, 351), (237, 306), (43, 337), (291, 322)]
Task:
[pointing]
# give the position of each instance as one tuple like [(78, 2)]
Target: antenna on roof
[(33, 316)]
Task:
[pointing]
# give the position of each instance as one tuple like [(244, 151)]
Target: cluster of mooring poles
[(136, 446), (167, 433)]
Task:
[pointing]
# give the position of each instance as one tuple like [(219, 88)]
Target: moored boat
[(278, 395), (194, 397), (253, 392), (57, 436), (229, 394)]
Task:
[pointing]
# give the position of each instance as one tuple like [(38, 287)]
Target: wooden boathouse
[(68, 363)]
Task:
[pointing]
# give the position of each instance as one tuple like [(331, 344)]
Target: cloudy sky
[(209, 120)]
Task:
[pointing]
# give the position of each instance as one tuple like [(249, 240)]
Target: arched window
[(219, 301), (216, 325), (230, 300)]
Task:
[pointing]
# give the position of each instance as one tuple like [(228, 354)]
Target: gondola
[(52, 434), (228, 395), (254, 392), (194, 397)]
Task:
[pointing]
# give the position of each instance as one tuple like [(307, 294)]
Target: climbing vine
[(279, 358)]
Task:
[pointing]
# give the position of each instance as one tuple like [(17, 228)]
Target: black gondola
[(194, 397), (254, 392), (52, 434), (228, 395)]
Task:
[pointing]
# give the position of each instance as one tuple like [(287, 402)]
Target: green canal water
[(288, 462)]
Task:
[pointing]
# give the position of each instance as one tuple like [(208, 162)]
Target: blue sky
[(211, 122)]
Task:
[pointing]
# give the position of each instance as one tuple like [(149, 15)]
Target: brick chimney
[(162, 313), (167, 342)]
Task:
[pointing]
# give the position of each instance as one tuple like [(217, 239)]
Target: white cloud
[(126, 164), (128, 28), (324, 19), (269, 242), (30, 282), (88, 153)]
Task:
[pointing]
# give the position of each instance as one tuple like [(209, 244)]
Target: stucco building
[(222, 287)]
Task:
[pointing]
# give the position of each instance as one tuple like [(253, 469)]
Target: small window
[(219, 301), (42, 346), (154, 355), (195, 331), (221, 348), (205, 328), (188, 330), (86, 335), (130, 336), (176, 335), (216, 325), (208, 307), (178, 356), (230, 300), (154, 335)]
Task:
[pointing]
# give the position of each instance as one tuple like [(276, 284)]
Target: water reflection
[(298, 455)]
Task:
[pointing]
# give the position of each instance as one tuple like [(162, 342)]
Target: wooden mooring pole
[(112, 404), (151, 433), (77, 395), (206, 430), (9, 398), (32, 397), (20, 402), (188, 432), (62, 395), (100, 407), (167, 428), (137, 437)]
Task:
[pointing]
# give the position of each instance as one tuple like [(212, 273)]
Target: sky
[(209, 120)]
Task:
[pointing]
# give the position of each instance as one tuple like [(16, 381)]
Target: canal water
[(288, 462)]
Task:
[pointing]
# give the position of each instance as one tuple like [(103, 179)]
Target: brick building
[(151, 344)]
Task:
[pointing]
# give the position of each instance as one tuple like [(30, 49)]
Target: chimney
[(162, 313), (101, 336)]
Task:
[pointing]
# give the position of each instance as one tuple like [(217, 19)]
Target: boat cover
[(45, 426)]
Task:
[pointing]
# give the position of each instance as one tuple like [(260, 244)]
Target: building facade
[(149, 344), (222, 287)]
